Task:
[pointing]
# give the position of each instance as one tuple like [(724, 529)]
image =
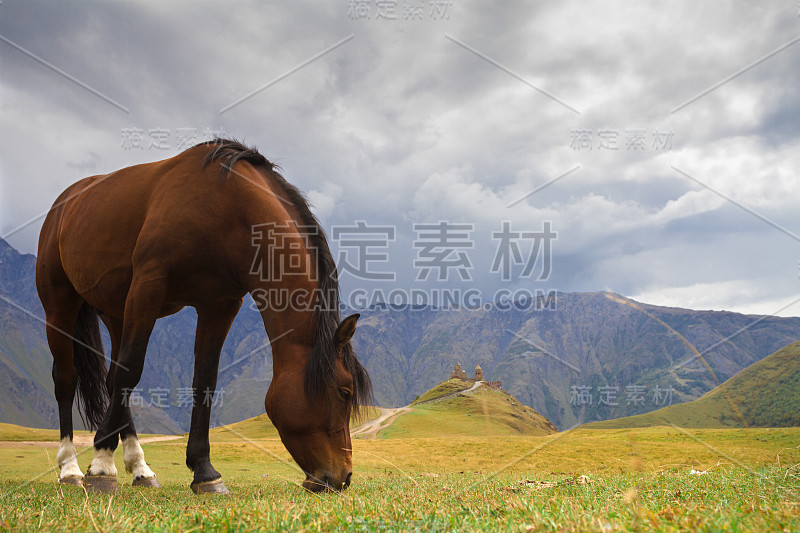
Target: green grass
[(639, 480), (765, 394), (725, 499)]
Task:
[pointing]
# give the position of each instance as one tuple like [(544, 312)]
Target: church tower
[(457, 373)]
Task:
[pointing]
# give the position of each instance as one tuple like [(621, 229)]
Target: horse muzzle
[(326, 483)]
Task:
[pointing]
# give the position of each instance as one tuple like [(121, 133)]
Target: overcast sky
[(666, 133)]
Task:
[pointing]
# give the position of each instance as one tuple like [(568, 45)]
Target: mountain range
[(586, 357)]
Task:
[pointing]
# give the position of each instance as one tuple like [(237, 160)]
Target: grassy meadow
[(579, 480)]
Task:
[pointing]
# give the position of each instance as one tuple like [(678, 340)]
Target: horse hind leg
[(133, 455), (65, 381), (145, 298), (67, 458)]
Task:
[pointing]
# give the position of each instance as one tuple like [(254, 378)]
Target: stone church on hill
[(458, 373)]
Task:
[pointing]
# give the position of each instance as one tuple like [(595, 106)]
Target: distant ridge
[(765, 394)]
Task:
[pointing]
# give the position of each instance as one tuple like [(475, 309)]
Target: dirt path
[(475, 387), (470, 390), (78, 440), (370, 429)]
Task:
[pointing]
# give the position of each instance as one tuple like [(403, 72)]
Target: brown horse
[(141, 243)]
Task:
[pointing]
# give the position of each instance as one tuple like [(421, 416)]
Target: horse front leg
[(213, 324)]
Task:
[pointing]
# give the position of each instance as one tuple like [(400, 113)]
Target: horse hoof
[(210, 487), (102, 484), (146, 482), (71, 480)]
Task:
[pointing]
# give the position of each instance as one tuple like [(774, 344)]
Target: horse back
[(173, 218)]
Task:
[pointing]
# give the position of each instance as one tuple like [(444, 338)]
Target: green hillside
[(258, 427), (451, 386), (765, 394), (451, 410), (13, 432)]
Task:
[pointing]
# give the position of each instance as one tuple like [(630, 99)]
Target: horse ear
[(345, 330)]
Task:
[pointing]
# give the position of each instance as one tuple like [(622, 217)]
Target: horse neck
[(289, 321), (284, 287)]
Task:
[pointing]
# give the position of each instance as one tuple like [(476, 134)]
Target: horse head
[(311, 405)]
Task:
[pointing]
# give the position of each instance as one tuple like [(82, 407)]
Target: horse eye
[(346, 394)]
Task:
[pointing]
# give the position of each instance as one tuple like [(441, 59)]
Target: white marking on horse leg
[(103, 463), (68, 459), (133, 455)]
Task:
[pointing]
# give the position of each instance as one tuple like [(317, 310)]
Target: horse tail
[(90, 367)]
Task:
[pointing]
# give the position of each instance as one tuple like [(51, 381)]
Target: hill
[(765, 394), (455, 408), (458, 408), (446, 388)]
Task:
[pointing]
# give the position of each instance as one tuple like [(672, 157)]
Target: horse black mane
[(321, 364)]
